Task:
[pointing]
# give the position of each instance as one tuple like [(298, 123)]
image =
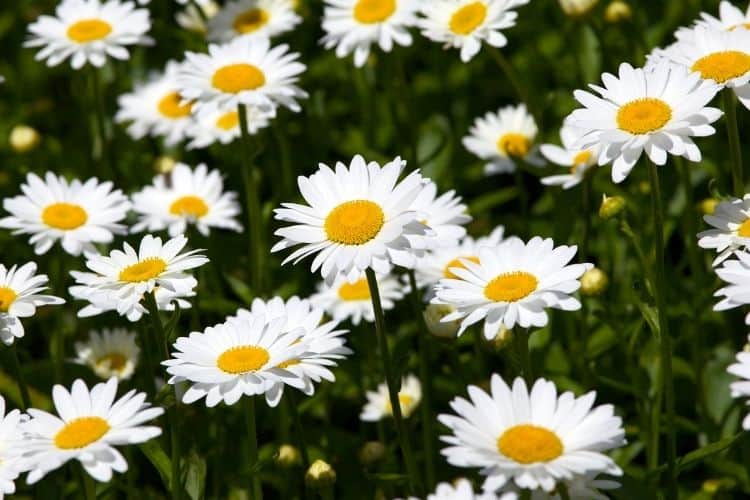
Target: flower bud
[(594, 282), (320, 475), (24, 138), (164, 164), (433, 315), (371, 452), (708, 206), (611, 206), (617, 11), (288, 456), (577, 7)]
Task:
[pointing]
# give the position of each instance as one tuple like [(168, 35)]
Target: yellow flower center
[(228, 121), (243, 359), (7, 297), (235, 78), (81, 432), (457, 263), (510, 287), (113, 361), (250, 20), (171, 106), (355, 291), (744, 229), (529, 444), (743, 25), (289, 363), (514, 144), (403, 400), (374, 11), (191, 206), (354, 222), (468, 18), (144, 270), (580, 160), (65, 216), (643, 115), (89, 30), (723, 66)]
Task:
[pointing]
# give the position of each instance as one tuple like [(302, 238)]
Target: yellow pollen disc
[(144, 270), (81, 432), (89, 30), (374, 11), (744, 25), (7, 297), (743, 230), (355, 291), (457, 263), (171, 106), (354, 222), (113, 360), (228, 121), (529, 444), (65, 216), (643, 115), (580, 160), (289, 363), (250, 20), (510, 287), (514, 144), (723, 66), (243, 359), (190, 206), (403, 400), (468, 18), (235, 78)]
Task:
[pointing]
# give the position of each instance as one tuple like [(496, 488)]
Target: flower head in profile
[(88, 426), (357, 217), (343, 300), (77, 214), (466, 24), (730, 18), (578, 162), (504, 138), (89, 31), (111, 353), (741, 388), (10, 440), (656, 111), (445, 215), (735, 272), (194, 16), (512, 284), (252, 19), (378, 404), (533, 438), (730, 228), (353, 26), (19, 297), (222, 125)]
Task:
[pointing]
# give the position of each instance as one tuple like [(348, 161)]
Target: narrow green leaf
[(156, 455)]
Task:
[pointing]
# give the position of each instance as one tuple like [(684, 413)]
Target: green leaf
[(159, 459), (170, 328), (194, 476)]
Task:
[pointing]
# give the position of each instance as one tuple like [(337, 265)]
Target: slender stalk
[(101, 150), (403, 438), (510, 73), (254, 214), (252, 448), (521, 348), (665, 346), (299, 433), (523, 197), (586, 195), (562, 489), (88, 488), (735, 150), (20, 380)]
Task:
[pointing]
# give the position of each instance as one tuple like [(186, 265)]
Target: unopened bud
[(320, 475), (288, 456), (594, 282), (371, 452), (577, 7), (24, 138), (611, 206), (433, 315), (708, 206), (164, 164), (617, 11)]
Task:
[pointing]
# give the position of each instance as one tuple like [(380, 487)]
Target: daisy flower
[(156, 108), (343, 300), (89, 31), (253, 19), (741, 388), (578, 162), (191, 19), (10, 465), (534, 438), (730, 231), (657, 111), (512, 284), (357, 217), (244, 356), (353, 26), (19, 298), (445, 215), (186, 196), (730, 18), (222, 125), (242, 71), (580, 487), (503, 138), (736, 273), (78, 214), (378, 404), (465, 24), (461, 489), (111, 353), (87, 427)]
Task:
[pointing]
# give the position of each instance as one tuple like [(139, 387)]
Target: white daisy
[(253, 19), (88, 31), (242, 71), (730, 18), (378, 404), (578, 162), (730, 231), (534, 438), (191, 19), (156, 108), (353, 26), (222, 125), (10, 439), (111, 353), (357, 218), (445, 215), (511, 284), (460, 489), (580, 487), (465, 24), (244, 356), (89, 426), (657, 111), (736, 273), (741, 388), (77, 214), (186, 196), (503, 138), (19, 298), (343, 300)]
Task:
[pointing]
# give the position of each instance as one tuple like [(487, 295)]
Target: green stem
[(523, 197), (562, 489), (299, 432), (254, 214), (101, 150), (88, 488), (665, 356), (735, 150), (515, 81), (403, 438), (252, 448), (20, 380), (587, 179), (521, 347)]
